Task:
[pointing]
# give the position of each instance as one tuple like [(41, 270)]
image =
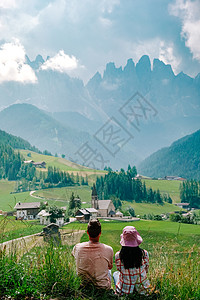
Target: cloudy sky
[(81, 36)]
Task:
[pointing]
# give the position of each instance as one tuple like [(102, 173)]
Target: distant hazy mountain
[(46, 133), (36, 126), (77, 121), (182, 158), (176, 99)]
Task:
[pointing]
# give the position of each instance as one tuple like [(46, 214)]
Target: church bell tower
[(94, 201)]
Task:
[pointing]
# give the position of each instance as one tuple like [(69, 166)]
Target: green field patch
[(149, 208), (170, 187), (61, 163), (61, 196)]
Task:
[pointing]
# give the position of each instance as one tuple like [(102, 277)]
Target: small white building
[(45, 218), (119, 214)]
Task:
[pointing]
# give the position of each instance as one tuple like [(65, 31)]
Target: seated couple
[(94, 261)]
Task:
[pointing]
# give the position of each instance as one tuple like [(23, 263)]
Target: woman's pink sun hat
[(130, 237)]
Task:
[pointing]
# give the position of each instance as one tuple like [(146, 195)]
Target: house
[(183, 205), (46, 220), (174, 178), (105, 208), (28, 210), (93, 212), (41, 164), (82, 215), (44, 217)]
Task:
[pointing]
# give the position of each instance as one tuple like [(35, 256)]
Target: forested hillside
[(11, 162), (182, 158), (124, 186), (15, 142)]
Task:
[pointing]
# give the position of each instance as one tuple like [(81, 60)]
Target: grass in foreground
[(13, 229), (49, 271)]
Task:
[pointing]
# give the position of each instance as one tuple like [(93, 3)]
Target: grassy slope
[(170, 187), (61, 163), (146, 208)]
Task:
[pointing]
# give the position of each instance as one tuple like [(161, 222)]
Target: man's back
[(93, 260)]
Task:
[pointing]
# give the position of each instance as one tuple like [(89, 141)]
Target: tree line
[(125, 186), (54, 177), (190, 193)]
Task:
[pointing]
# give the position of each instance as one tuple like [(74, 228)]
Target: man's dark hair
[(94, 228)]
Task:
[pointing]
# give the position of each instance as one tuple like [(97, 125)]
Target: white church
[(105, 208)]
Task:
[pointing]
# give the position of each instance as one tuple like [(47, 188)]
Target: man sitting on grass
[(94, 259)]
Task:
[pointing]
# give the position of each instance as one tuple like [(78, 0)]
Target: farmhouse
[(27, 211), (84, 215), (183, 205), (174, 178), (41, 164)]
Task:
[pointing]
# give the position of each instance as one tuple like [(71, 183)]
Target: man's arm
[(74, 250), (110, 263)]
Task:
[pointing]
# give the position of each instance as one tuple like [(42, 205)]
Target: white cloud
[(12, 64), (189, 13), (108, 6), (166, 54), (6, 4), (105, 21), (61, 62), (155, 48)]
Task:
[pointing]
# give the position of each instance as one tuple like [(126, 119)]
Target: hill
[(182, 158), (45, 132), (40, 129)]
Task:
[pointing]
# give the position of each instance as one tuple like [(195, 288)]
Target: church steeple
[(94, 200)]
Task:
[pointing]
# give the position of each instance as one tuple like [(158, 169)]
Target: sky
[(82, 36)]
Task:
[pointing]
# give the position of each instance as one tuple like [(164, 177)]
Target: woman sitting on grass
[(132, 264)]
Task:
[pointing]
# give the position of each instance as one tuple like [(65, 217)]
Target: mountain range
[(60, 113)]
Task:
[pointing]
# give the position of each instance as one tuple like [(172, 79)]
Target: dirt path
[(22, 245)]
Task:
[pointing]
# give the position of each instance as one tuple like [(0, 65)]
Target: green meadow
[(174, 250), (58, 162), (49, 271), (170, 187), (61, 196)]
